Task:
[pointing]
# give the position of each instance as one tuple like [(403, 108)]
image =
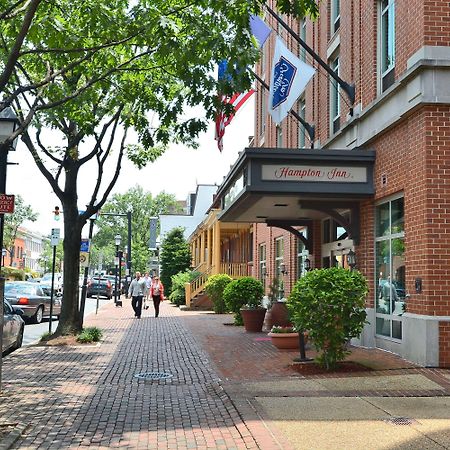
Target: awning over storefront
[(287, 187)]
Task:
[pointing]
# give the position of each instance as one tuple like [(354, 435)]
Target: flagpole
[(349, 89), (308, 127)]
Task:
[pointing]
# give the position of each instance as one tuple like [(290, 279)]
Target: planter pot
[(285, 341), (253, 319), (279, 314)]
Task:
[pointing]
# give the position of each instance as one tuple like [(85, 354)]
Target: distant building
[(195, 209)]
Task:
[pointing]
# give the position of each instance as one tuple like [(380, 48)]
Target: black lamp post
[(8, 123), (351, 259), (117, 239)]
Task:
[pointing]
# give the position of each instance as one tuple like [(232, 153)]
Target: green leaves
[(330, 304)]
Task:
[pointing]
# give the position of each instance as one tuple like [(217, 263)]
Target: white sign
[(84, 259), (54, 239), (332, 174)]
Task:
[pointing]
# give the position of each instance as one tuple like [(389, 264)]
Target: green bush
[(90, 334), (178, 294), (243, 292), (214, 288), (330, 305), (12, 273)]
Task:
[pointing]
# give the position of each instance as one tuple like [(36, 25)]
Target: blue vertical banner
[(153, 233)]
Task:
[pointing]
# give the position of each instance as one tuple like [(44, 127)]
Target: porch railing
[(235, 270)]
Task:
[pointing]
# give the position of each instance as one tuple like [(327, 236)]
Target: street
[(33, 332)]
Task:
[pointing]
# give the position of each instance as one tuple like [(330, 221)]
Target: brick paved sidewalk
[(89, 396), (223, 381)]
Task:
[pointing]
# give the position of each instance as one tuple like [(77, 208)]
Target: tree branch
[(15, 52)]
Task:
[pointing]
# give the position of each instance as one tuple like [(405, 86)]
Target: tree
[(175, 257), (94, 73), (22, 212), (142, 206), (46, 259)]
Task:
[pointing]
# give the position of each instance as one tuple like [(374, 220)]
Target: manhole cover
[(153, 376), (400, 421)]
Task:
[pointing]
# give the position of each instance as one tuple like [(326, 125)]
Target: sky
[(177, 171)]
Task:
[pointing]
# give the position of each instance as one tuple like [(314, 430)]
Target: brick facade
[(412, 145)]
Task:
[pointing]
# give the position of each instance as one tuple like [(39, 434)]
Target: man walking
[(136, 292)]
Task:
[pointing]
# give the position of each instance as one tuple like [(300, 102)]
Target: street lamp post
[(8, 122), (117, 239)]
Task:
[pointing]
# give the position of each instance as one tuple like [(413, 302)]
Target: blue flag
[(259, 29)]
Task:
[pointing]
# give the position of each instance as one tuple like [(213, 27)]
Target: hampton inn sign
[(292, 185), (314, 173)]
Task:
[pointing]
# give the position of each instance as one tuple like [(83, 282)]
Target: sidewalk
[(227, 389)]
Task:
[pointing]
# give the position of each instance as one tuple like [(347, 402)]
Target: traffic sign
[(6, 203), (84, 247), (84, 259), (54, 239)]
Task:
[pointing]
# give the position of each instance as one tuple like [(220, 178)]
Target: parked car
[(100, 286), (57, 283), (13, 326), (112, 279), (33, 299)]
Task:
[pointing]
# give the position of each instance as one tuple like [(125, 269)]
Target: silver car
[(32, 299), (13, 326)]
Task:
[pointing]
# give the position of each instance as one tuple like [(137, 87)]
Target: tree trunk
[(70, 321)]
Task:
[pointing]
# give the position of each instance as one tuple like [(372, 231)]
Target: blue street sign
[(84, 247)]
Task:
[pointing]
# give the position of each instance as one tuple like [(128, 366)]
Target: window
[(302, 254), (302, 35), (387, 43), (335, 101), (279, 256), (390, 268), (335, 15), (263, 117), (279, 132), (262, 264), (301, 109)]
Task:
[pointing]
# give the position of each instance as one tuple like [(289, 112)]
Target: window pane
[(397, 216), (382, 220), (396, 329), (383, 299), (383, 326)]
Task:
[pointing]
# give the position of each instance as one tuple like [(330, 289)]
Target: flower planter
[(253, 319), (285, 341)]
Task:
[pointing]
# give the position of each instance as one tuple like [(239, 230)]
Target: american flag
[(237, 100)]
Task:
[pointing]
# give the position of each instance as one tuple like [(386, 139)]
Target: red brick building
[(394, 140)]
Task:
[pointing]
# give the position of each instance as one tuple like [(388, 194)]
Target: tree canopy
[(93, 82), (142, 205)]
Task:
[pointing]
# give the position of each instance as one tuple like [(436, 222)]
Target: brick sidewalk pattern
[(89, 396)]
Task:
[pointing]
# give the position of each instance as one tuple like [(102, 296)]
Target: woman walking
[(157, 293)]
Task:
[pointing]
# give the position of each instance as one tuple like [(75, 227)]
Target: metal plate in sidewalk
[(153, 376)]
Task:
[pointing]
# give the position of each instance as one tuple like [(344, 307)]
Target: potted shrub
[(243, 297), (330, 304), (214, 288), (284, 337)]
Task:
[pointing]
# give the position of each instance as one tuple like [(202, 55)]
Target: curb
[(13, 436)]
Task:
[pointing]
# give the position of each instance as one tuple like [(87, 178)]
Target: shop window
[(390, 268), (387, 43)]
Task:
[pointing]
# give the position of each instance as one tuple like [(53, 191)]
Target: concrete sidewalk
[(226, 389)]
